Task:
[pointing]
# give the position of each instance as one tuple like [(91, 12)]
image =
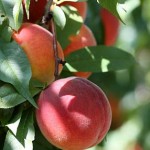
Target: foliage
[(122, 69)]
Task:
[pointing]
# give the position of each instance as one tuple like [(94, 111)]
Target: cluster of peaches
[(73, 113)]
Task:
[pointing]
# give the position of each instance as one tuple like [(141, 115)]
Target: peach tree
[(34, 36)]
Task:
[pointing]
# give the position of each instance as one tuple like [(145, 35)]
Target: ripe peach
[(117, 113), (84, 38), (36, 10), (37, 43), (80, 6), (111, 27), (138, 147), (73, 113)]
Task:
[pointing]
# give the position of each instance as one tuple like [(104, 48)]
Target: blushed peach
[(36, 10), (80, 6), (73, 113), (111, 27), (37, 43), (84, 38), (117, 113)]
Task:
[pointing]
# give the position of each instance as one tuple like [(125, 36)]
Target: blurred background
[(128, 90)]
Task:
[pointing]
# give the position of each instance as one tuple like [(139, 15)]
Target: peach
[(111, 27), (80, 6), (37, 43), (36, 10), (84, 38), (73, 113), (117, 113)]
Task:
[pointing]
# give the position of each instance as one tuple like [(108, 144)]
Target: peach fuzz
[(73, 113), (111, 27), (36, 10), (37, 43), (80, 6), (84, 38)]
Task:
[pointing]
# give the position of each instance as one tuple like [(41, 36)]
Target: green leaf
[(15, 69), (1, 83), (18, 14), (2, 14), (99, 59), (2, 17), (11, 143), (13, 11), (59, 17), (27, 6), (14, 122), (9, 97), (5, 115), (25, 131), (122, 1), (110, 6), (96, 24), (5, 30), (36, 87), (6, 33), (35, 90), (73, 24)]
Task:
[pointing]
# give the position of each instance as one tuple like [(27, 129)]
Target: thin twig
[(48, 14), (56, 73), (58, 60), (49, 21)]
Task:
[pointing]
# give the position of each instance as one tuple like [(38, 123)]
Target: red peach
[(117, 113), (36, 10), (84, 38), (111, 27), (80, 6), (73, 113), (138, 147), (37, 43)]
